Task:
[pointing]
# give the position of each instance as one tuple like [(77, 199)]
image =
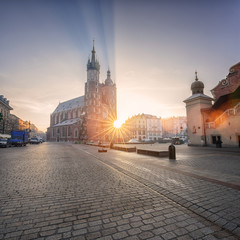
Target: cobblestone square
[(70, 191)]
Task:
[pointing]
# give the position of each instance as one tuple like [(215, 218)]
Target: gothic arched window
[(76, 133), (69, 131)]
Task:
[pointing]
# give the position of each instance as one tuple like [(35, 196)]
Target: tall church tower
[(100, 102), (194, 105), (92, 96), (92, 84)]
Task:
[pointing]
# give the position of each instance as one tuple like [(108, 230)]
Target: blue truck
[(19, 138)]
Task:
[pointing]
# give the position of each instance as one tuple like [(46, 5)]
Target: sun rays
[(112, 130)]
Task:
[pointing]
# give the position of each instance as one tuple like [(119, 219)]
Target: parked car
[(34, 140), (5, 142)]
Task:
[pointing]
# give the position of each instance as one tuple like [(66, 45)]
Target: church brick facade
[(88, 117)]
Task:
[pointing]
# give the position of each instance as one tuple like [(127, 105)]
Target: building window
[(53, 132), (63, 132), (69, 131), (74, 114), (76, 133)]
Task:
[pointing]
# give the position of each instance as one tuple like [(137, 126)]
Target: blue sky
[(152, 48)]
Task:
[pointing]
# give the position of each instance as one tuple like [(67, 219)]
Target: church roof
[(67, 122), (70, 104), (197, 95)]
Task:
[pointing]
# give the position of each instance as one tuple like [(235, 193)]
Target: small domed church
[(215, 121), (88, 117)]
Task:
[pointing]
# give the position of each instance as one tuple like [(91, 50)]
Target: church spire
[(108, 73), (108, 81), (93, 53), (196, 78), (197, 86), (93, 64)]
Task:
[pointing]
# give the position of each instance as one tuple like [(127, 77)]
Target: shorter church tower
[(194, 105)]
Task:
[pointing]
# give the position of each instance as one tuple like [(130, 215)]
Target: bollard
[(172, 152)]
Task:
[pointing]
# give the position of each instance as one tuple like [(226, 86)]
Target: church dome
[(197, 86)]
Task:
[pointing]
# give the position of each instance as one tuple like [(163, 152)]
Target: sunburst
[(112, 129)]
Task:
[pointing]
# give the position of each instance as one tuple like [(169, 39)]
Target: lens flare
[(117, 124)]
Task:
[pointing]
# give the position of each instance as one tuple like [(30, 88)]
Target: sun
[(117, 124)]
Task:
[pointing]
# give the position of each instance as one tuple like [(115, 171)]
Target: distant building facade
[(143, 127), (174, 126), (219, 122), (11, 122), (5, 109), (88, 117)]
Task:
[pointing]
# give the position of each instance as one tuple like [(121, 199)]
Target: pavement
[(221, 164), (71, 191)]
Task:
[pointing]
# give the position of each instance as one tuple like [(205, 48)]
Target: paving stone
[(145, 235), (94, 235), (230, 226), (105, 238), (168, 235), (65, 229), (47, 233), (67, 234), (79, 232), (120, 235), (109, 231), (55, 237), (123, 227), (134, 231), (159, 231), (180, 231), (137, 224), (26, 237), (80, 226)]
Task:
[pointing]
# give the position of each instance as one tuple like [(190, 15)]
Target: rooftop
[(70, 104), (68, 122), (197, 95)]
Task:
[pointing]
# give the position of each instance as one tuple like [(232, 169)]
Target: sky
[(152, 47)]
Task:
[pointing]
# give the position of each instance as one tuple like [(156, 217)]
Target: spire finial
[(108, 73), (196, 78), (93, 44)]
